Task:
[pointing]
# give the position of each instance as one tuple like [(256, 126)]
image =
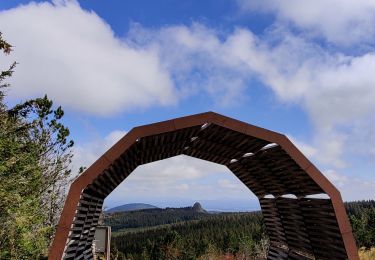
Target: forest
[(153, 217), (187, 234)]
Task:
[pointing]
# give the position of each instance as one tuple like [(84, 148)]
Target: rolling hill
[(130, 207)]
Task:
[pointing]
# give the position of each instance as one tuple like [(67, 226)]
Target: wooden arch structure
[(301, 226)]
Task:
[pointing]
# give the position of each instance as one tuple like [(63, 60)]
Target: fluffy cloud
[(73, 55), (334, 88), (185, 177), (197, 60), (343, 22), (176, 169), (307, 149), (180, 178), (86, 154), (351, 188), (103, 74)]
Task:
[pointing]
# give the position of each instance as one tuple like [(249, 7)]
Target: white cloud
[(343, 22), (87, 153), (335, 89), (179, 168), (307, 149), (336, 178), (186, 178), (73, 56), (232, 185), (332, 87), (351, 188), (197, 59), (184, 187), (326, 148), (180, 178), (332, 148)]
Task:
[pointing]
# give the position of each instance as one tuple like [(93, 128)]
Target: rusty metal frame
[(281, 213)]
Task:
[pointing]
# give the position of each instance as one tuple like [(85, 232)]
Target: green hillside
[(184, 233), (225, 232), (154, 217)]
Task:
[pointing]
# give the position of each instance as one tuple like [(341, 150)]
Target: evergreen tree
[(35, 154)]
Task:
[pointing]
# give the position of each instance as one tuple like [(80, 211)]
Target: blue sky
[(304, 69)]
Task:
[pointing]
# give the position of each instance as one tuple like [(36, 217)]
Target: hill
[(193, 233), (206, 238), (154, 217), (130, 207), (197, 207)]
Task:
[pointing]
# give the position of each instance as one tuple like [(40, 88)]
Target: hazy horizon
[(209, 205)]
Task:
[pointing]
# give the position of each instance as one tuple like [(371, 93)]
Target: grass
[(367, 254)]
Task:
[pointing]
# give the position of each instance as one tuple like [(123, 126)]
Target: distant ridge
[(152, 217), (131, 207)]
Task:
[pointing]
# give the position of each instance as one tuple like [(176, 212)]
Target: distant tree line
[(152, 217), (235, 233), (362, 219), (185, 234)]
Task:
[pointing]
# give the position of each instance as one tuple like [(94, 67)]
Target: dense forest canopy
[(153, 217), (187, 234), (362, 218)]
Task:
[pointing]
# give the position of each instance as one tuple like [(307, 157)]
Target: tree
[(35, 154), (53, 151), (6, 48)]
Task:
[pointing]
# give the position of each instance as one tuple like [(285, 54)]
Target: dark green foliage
[(225, 233), (152, 217), (6, 48), (34, 159), (362, 219), (4, 45), (358, 207), (185, 234)]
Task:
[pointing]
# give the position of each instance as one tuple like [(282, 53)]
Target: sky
[(302, 68)]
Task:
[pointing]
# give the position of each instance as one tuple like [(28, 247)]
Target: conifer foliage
[(35, 153), (362, 218), (184, 233)]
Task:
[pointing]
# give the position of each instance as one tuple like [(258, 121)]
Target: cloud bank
[(340, 22), (73, 55), (168, 181)]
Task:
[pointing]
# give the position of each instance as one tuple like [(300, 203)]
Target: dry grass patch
[(368, 254)]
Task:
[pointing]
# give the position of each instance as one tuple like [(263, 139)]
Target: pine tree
[(35, 154)]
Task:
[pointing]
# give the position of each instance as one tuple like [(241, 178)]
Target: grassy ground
[(363, 255), (367, 254)]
